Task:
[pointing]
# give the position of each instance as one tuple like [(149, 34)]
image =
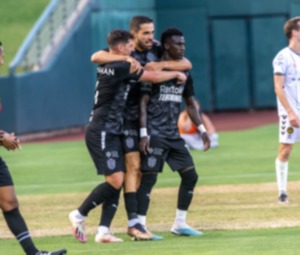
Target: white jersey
[(287, 63)]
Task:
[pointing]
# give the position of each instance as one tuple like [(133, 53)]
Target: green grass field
[(16, 19), (235, 202)]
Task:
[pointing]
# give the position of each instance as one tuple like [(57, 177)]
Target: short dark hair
[(137, 21), (1, 47), (290, 25), (118, 36), (167, 34)]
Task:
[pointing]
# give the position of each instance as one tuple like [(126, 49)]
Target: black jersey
[(131, 109), (165, 106), (147, 56), (112, 87)]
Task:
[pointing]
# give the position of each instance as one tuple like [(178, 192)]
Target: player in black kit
[(160, 108), (8, 199), (146, 52), (104, 134)]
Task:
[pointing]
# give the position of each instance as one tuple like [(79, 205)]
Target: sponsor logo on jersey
[(173, 93), (106, 71), (171, 90), (170, 97)]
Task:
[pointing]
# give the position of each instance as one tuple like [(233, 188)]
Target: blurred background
[(47, 81)]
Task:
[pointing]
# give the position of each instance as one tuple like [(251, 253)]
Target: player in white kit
[(286, 65)]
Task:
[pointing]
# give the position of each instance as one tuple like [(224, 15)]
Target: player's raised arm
[(103, 57), (174, 65), (160, 76)]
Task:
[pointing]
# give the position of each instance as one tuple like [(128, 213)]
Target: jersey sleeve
[(122, 69), (279, 64), (189, 87), (157, 48), (136, 75)]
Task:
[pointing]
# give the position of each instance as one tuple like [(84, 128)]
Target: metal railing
[(47, 34)]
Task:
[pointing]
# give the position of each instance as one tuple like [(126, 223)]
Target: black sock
[(109, 208), (130, 199), (186, 189), (96, 197), (143, 194), (18, 227)]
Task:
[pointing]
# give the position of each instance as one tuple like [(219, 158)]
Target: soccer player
[(286, 66), (190, 134), (104, 134), (160, 140), (146, 52), (8, 200)]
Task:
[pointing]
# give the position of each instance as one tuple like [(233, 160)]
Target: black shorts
[(173, 151), (5, 177), (106, 150), (130, 137)]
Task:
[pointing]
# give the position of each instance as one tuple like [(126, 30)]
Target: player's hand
[(294, 120), (135, 66), (206, 141), (153, 66), (144, 144), (181, 78), (10, 141)]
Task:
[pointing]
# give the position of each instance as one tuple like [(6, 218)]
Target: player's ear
[(133, 33), (166, 46), (120, 47)]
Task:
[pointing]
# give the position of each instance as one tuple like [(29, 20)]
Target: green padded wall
[(230, 64), (115, 14), (266, 42)]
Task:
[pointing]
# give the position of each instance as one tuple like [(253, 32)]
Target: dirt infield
[(224, 121), (240, 120), (223, 207)]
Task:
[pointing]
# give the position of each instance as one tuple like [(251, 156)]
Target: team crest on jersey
[(290, 130), (129, 142), (152, 161), (111, 164)]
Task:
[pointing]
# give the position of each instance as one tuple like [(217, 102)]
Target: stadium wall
[(57, 97), (231, 44)]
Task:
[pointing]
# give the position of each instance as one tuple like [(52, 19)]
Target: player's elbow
[(94, 58), (277, 90), (188, 64)]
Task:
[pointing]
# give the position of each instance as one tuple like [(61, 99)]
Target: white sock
[(142, 219), (281, 175), (132, 222), (78, 215), (102, 230), (180, 216)]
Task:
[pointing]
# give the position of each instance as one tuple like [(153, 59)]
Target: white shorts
[(287, 133), (194, 141)]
